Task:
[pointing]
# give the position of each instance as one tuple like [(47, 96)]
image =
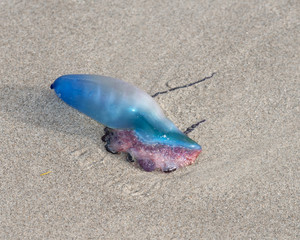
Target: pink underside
[(151, 157)]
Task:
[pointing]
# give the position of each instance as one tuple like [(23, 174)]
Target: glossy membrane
[(138, 124)]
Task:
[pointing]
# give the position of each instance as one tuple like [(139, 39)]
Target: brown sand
[(245, 184)]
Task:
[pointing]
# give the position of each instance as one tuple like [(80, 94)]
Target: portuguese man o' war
[(134, 122)]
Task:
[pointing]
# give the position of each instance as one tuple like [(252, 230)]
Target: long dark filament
[(184, 86), (191, 128)]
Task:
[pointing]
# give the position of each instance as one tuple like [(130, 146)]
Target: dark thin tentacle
[(191, 128), (184, 86)]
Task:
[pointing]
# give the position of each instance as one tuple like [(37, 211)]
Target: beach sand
[(244, 185)]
